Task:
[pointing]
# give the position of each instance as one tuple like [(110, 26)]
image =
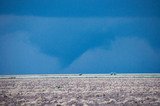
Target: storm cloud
[(128, 55), (64, 45)]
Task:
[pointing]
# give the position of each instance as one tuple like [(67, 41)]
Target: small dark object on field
[(113, 73), (12, 77), (80, 74), (58, 87)]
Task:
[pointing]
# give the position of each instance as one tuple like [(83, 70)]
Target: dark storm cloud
[(67, 39)]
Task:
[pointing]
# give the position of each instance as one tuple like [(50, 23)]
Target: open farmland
[(80, 91)]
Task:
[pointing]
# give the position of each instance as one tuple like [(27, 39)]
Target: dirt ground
[(80, 92)]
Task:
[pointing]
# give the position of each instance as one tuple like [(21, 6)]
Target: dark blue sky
[(79, 36), (81, 8)]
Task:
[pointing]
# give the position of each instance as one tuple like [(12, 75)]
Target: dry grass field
[(80, 91)]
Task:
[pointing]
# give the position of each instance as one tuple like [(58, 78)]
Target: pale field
[(80, 92)]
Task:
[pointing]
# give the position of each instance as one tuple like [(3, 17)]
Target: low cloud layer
[(31, 44), (18, 56), (128, 55), (68, 38)]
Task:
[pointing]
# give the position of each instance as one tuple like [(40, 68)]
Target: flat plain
[(80, 91)]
